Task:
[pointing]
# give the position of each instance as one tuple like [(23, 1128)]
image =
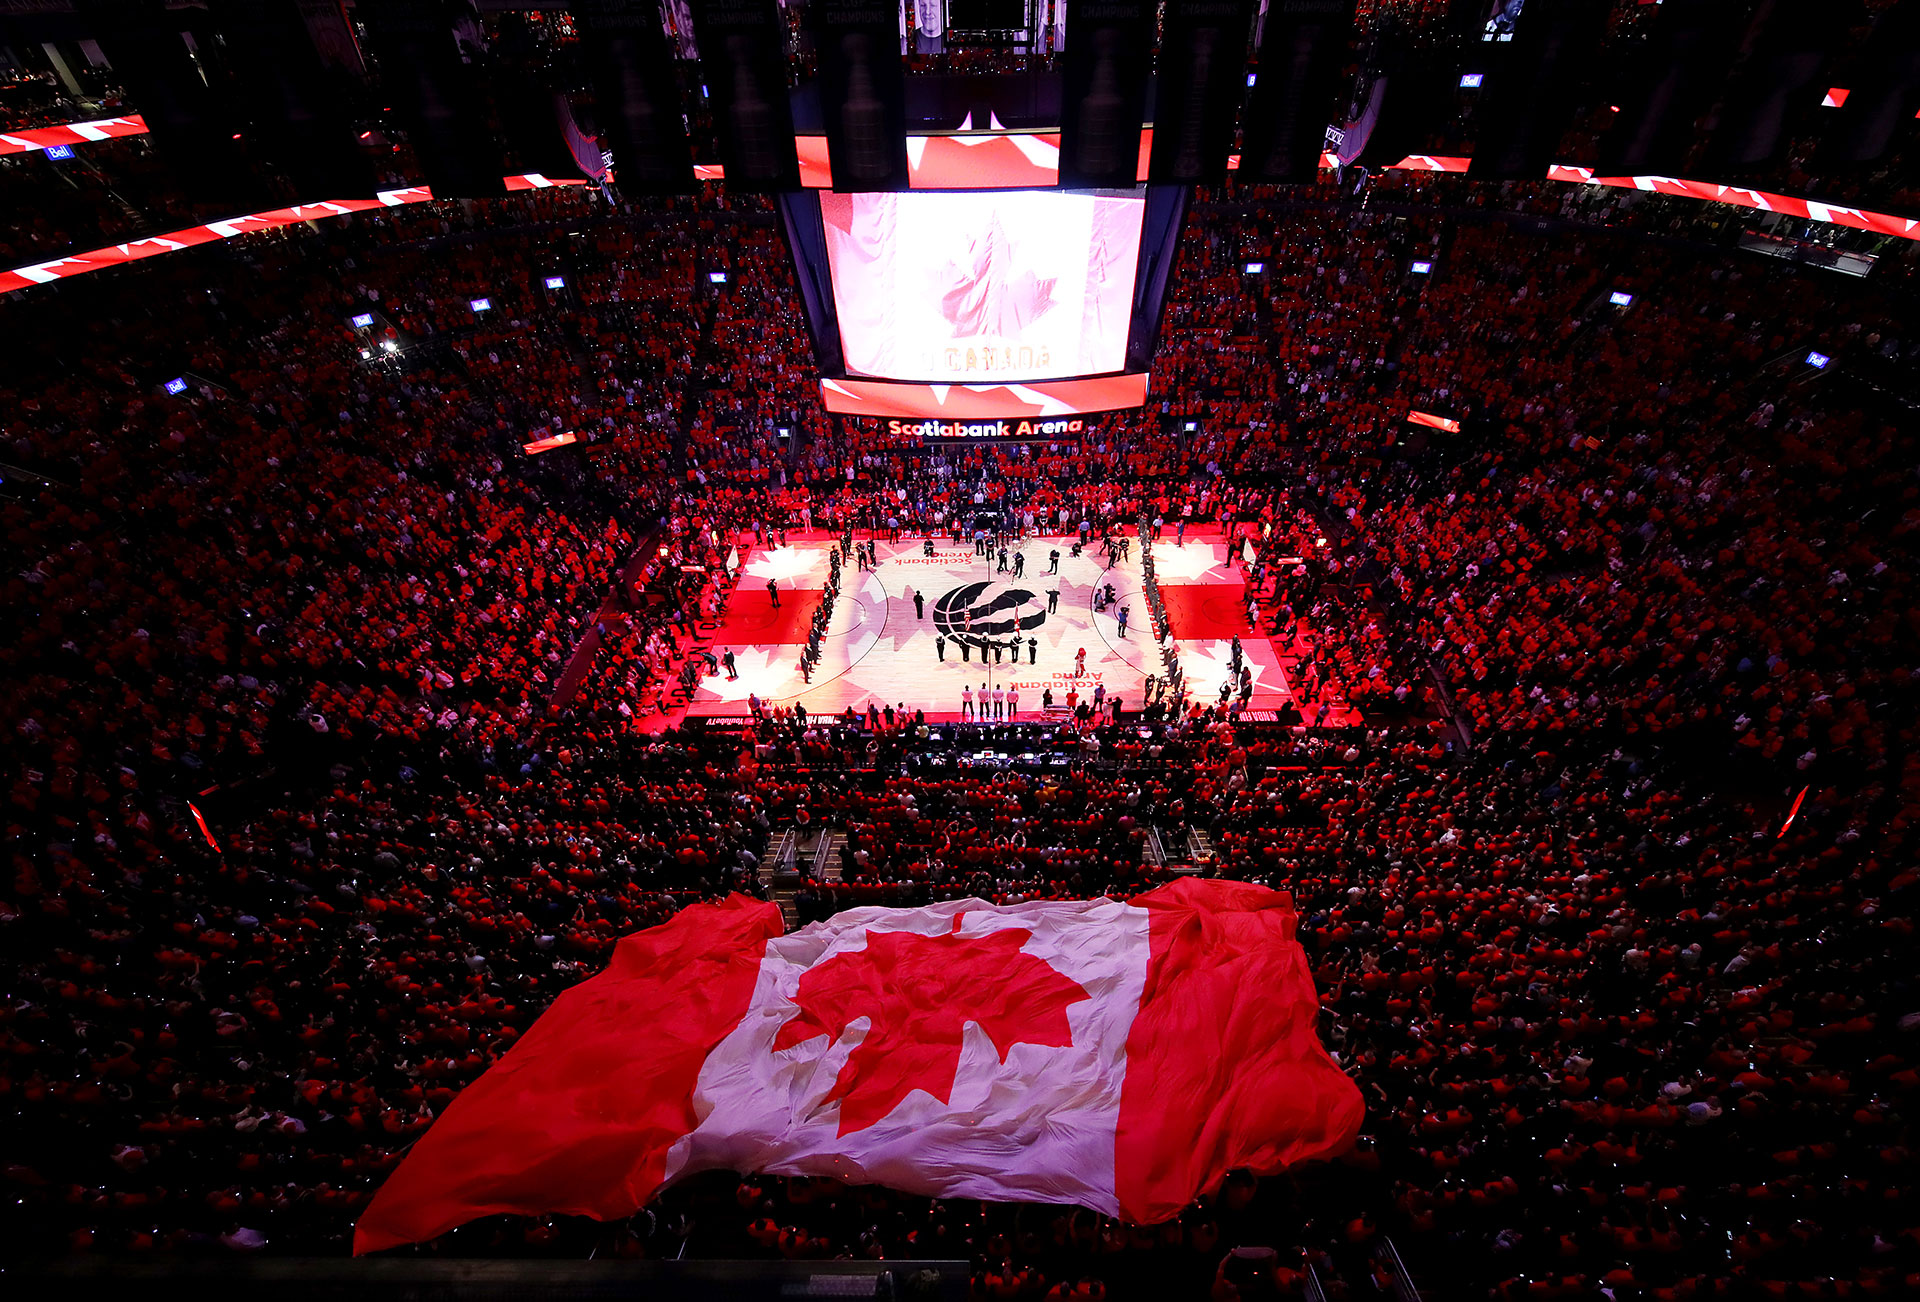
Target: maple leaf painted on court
[(766, 671), (787, 563), (1208, 664), (918, 993), (1192, 562)]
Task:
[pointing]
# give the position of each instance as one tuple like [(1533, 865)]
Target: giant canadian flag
[(1120, 1055)]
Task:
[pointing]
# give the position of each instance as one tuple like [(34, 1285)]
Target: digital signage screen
[(979, 305), (983, 286)]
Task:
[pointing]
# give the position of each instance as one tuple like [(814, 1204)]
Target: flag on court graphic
[(1120, 1055)]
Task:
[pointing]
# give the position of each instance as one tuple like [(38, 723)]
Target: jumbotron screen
[(944, 306), (990, 286)]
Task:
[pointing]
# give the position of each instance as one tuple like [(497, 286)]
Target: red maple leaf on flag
[(984, 297), (918, 993)]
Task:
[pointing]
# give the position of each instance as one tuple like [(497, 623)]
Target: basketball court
[(883, 647)]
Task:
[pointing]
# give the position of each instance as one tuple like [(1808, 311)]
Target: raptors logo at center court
[(969, 614)]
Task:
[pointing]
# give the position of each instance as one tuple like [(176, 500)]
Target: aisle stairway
[(1200, 846), (826, 857), (777, 870)]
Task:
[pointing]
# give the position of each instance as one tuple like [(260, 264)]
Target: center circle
[(985, 611)]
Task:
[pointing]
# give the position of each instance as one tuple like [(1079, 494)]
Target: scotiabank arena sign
[(988, 429)]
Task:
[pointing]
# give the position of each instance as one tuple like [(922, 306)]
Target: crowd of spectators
[(301, 840)]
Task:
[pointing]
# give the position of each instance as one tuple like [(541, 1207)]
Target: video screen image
[(983, 286)]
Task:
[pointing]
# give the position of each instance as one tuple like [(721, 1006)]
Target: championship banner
[(1303, 60), (743, 57), (863, 92), (637, 110), (1104, 92), (1203, 59), (1118, 1055)]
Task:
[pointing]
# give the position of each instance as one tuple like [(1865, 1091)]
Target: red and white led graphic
[(72, 133), (1857, 218), (989, 160), (114, 255), (549, 443)]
